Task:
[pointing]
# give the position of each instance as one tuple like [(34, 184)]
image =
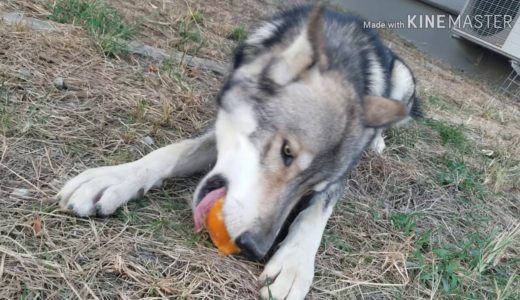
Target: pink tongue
[(199, 215)]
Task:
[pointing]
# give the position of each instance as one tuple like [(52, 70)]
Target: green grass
[(124, 155), (427, 129), (174, 204), (24, 293), (197, 16), (173, 70), (238, 34), (100, 19), (158, 225), (6, 122), (451, 135), (337, 242), (471, 266), (138, 116), (440, 103), (455, 172), (190, 31), (455, 269), (404, 222), (404, 140), (461, 165)]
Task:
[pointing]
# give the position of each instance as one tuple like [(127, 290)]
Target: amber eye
[(287, 154)]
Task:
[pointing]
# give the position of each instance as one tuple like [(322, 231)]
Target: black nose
[(214, 182), (250, 247)]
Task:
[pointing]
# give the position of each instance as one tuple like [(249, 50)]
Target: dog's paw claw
[(99, 212), (267, 278)]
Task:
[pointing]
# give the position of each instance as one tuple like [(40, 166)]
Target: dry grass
[(437, 206)]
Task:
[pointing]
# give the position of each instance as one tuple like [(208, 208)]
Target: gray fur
[(327, 115)]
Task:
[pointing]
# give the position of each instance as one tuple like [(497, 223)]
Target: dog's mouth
[(209, 198), (217, 187)]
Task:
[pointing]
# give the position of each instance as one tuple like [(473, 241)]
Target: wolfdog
[(309, 90)]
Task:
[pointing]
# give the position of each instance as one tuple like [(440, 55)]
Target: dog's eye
[(287, 155)]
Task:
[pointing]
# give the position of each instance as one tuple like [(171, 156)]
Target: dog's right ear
[(306, 50), (380, 111)]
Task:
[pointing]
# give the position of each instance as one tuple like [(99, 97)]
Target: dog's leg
[(378, 143), (289, 273), (103, 190)]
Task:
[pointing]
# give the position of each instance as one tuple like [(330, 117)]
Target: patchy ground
[(435, 216)]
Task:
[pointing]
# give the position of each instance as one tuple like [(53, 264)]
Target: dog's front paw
[(101, 191), (378, 144), (288, 274)]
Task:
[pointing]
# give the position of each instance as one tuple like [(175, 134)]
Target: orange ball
[(217, 230)]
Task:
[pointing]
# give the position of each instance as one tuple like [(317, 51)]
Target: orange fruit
[(217, 230)]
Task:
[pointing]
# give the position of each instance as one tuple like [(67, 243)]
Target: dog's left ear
[(307, 50), (380, 111)]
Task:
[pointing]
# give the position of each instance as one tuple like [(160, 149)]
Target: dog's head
[(288, 125)]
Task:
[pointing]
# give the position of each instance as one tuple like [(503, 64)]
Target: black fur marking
[(302, 204), (416, 111), (290, 19), (383, 57), (266, 84), (390, 86), (390, 61), (223, 90), (365, 66), (258, 99), (239, 56)]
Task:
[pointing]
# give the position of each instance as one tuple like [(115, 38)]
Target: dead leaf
[(37, 225), (152, 69)]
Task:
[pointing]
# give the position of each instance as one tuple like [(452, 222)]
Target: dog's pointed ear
[(380, 111), (307, 50)]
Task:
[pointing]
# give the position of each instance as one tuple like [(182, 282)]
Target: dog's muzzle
[(249, 244), (250, 248)]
